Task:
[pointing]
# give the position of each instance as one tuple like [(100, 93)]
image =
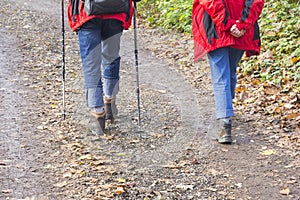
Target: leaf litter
[(81, 165)]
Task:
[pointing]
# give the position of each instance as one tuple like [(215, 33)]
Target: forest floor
[(170, 156)]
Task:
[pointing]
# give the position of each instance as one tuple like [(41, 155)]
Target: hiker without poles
[(99, 38), (224, 29)]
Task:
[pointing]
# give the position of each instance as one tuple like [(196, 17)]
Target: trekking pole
[(63, 57), (136, 65)]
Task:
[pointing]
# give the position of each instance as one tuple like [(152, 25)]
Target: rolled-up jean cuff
[(94, 97), (224, 113)]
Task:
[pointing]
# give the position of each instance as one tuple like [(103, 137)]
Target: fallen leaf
[(292, 115), (121, 154), (268, 152), (185, 187), (285, 191), (214, 172), (164, 118), (272, 90), (61, 184), (255, 82), (54, 106), (295, 59), (291, 181), (105, 194), (119, 190), (121, 180), (239, 89), (107, 186), (100, 161), (224, 150), (157, 135), (212, 189), (288, 105), (288, 166), (172, 166), (131, 184), (67, 175), (86, 157)]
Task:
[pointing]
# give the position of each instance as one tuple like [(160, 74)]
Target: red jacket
[(77, 16), (212, 20)]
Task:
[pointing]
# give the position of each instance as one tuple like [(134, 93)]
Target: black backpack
[(96, 7)]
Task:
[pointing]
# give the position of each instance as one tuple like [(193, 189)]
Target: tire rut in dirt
[(21, 153)]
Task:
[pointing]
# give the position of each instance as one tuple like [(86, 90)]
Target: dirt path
[(23, 158), (45, 157)]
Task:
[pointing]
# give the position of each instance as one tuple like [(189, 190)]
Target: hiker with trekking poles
[(99, 26), (224, 30)]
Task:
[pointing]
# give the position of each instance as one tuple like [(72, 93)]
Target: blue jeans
[(223, 64), (99, 42)]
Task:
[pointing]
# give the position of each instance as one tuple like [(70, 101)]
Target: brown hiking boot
[(98, 122), (224, 132), (220, 131), (110, 108)]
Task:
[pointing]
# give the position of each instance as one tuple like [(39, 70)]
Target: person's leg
[(235, 56), (220, 73), (89, 37), (112, 31)]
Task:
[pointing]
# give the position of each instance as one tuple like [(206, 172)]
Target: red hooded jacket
[(77, 16), (212, 20)]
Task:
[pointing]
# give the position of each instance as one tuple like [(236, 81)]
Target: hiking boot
[(110, 108), (224, 132), (98, 122)]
